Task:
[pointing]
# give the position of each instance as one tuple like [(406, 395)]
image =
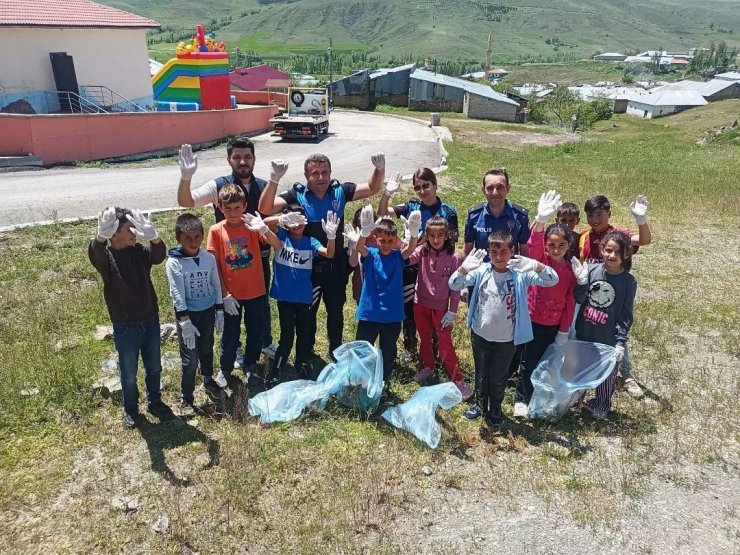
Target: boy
[(125, 267), (498, 316), (569, 215), (195, 289), (380, 311), (236, 247)]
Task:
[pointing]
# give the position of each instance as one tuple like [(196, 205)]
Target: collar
[(508, 210), (434, 207)]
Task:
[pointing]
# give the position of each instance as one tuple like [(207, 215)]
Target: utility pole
[(331, 97)]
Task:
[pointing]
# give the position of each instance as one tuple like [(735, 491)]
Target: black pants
[(266, 316), (369, 331), (329, 280), (533, 351), (410, 273), (492, 361), (295, 321), (203, 320)]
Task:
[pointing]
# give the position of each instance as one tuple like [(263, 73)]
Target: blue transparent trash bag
[(284, 402), (417, 415), (564, 372)]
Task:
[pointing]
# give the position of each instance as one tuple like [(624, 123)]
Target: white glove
[(218, 323), (378, 160), (279, 167), (619, 351), (352, 235), (255, 223), (413, 223), (330, 225), (367, 224), (579, 270), (523, 264), (639, 208), (561, 338), (473, 260), (549, 203), (142, 225), (292, 219), (393, 184), (107, 223), (447, 319), (231, 305), (188, 331), (188, 162)]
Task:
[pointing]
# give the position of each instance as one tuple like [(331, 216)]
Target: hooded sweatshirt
[(194, 282)]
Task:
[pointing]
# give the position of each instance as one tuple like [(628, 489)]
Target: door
[(65, 79)]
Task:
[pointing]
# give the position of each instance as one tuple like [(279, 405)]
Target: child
[(434, 304), (607, 300), (380, 311), (354, 261), (291, 287), (569, 215), (236, 247), (195, 289), (125, 267), (497, 315), (550, 308)]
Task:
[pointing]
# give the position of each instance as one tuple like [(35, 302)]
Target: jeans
[(253, 311), (625, 367), (428, 322), (267, 317), (329, 280), (369, 331), (543, 336), (410, 274), (130, 340), (295, 321), (492, 360), (204, 321)]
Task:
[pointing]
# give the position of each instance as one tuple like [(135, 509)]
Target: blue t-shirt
[(381, 299), (292, 267), (481, 223)]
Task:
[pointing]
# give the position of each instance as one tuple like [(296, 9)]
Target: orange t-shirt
[(237, 252)]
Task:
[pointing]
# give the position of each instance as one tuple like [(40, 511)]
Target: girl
[(435, 304), (607, 300)]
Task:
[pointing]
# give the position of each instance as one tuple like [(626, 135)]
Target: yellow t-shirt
[(237, 252)]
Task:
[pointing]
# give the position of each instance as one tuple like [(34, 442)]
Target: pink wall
[(66, 138), (260, 97)]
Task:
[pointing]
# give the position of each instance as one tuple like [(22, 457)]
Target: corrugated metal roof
[(671, 98), (69, 13), (257, 78), (468, 86), (707, 88), (385, 71), (729, 76)]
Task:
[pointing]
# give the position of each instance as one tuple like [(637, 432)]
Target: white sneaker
[(220, 379), (520, 410), (633, 388), (239, 362), (270, 350)]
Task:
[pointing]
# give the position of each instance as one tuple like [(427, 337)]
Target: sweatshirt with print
[(194, 281)]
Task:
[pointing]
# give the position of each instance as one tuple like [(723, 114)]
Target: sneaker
[(253, 378), (186, 409), (304, 370), (473, 412), (493, 421), (159, 409), (129, 420), (239, 361), (221, 379), (213, 388), (270, 350), (465, 390), (633, 389), (520, 410), (598, 414), (424, 374)]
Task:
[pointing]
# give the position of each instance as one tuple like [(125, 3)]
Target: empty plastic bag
[(417, 415), (564, 372)]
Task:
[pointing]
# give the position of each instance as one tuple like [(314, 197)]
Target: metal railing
[(69, 102), (109, 100)]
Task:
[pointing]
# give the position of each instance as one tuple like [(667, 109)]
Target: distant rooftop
[(468, 86), (69, 13)]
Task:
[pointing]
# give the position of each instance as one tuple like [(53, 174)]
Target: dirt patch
[(519, 138)]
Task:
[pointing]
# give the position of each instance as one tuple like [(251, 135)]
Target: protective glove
[(352, 235), (142, 225), (291, 220), (549, 203), (330, 225), (255, 223), (218, 323), (107, 223), (231, 305), (188, 332), (473, 260), (378, 160), (367, 224), (279, 167), (561, 338), (523, 264), (619, 351), (413, 223), (579, 270), (447, 319), (393, 184), (188, 162), (639, 208)]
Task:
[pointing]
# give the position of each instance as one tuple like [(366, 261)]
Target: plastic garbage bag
[(564, 372), (417, 415), (284, 402)]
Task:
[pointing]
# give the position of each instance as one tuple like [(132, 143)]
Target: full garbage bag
[(564, 372), (417, 415)]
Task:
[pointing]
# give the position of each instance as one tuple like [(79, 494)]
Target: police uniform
[(481, 223)]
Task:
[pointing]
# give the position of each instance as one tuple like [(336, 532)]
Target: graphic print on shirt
[(601, 294), (199, 284), (504, 292), (294, 258), (237, 256)]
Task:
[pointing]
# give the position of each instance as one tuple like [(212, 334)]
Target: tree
[(562, 103)]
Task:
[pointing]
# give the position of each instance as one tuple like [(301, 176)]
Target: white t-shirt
[(496, 309)]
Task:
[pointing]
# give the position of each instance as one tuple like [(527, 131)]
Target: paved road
[(33, 196)]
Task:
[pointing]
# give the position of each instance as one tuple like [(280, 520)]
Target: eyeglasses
[(425, 185)]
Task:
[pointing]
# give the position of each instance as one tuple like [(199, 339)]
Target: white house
[(94, 45), (663, 103), (609, 57)]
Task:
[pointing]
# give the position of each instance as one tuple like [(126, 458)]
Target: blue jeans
[(130, 340), (253, 311)]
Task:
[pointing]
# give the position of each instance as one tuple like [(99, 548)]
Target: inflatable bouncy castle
[(196, 79)]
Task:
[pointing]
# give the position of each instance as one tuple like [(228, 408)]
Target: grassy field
[(660, 475)]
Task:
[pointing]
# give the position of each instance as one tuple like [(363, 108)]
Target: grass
[(332, 483)]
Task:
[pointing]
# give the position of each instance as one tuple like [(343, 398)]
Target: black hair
[(501, 237), (121, 214), (625, 246), (356, 217), (387, 226), (566, 233), (318, 159), (438, 221), (598, 202), (496, 171), (295, 207), (569, 209), (239, 142), (187, 223)]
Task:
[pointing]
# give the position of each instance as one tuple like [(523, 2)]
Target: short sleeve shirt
[(293, 263), (439, 208), (381, 299), (237, 252), (481, 223)]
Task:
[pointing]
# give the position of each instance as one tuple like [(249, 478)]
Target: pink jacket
[(435, 269), (551, 306)]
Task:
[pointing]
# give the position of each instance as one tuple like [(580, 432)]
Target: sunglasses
[(424, 186)]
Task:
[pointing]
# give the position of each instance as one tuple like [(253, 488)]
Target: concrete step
[(20, 161)]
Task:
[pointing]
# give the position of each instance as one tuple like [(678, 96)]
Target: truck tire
[(326, 128)]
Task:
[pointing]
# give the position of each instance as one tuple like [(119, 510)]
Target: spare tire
[(298, 97)]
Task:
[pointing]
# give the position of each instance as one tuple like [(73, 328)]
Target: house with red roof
[(259, 78), (75, 45)]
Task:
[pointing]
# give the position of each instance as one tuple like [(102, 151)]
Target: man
[(240, 156), (319, 195)]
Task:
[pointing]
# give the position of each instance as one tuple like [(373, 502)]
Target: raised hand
[(352, 235), (413, 223), (473, 261), (639, 208), (393, 184), (367, 223), (330, 225), (188, 162), (292, 220), (548, 205), (142, 225), (188, 332), (378, 160), (255, 223), (523, 264), (279, 167), (107, 223), (579, 270)]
